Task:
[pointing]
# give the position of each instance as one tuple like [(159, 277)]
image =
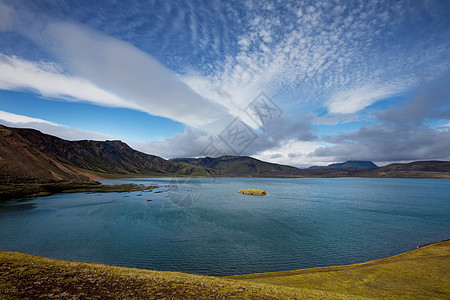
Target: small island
[(254, 192)]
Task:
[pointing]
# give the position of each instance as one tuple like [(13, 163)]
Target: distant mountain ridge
[(241, 166), (30, 155), (244, 166), (420, 166), (364, 164)]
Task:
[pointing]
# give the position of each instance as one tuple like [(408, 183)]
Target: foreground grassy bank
[(29, 190), (422, 273), (24, 276)]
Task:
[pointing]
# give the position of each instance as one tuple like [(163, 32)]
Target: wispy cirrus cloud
[(320, 54), (354, 100), (131, 74), (107, 71)]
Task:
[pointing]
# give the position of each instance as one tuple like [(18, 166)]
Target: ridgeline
[(35, 164)]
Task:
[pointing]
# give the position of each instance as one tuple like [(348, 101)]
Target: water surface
[(301, 223)]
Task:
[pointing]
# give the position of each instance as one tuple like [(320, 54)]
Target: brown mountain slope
[(20, 160), (27, 154)]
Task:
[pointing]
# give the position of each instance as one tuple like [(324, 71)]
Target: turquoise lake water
[(201, 225)]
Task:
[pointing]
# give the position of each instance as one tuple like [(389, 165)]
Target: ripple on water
[(301, 223)]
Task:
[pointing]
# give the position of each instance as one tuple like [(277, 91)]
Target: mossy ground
[(420, 274), (254, 192), (24, 276)]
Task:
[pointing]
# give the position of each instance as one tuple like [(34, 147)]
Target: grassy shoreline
[(31, 190), (17, 190), (27, 276), (423, 273)]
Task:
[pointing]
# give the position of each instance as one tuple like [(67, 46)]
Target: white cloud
[(326, 59), (20, 119), (352, 101), (48, 80), (292, 152), (131, 74), (190, 143), (106, 71), (61, 131)]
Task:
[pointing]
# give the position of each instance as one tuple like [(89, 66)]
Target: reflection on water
[(206, 227), (21, 204)]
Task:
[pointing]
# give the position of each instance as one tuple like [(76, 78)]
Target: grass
[(254, 192), (420, 274), (27, 276)]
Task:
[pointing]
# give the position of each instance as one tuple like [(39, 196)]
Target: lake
[(203, 226)]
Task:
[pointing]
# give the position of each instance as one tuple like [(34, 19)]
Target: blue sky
[(352, 80)]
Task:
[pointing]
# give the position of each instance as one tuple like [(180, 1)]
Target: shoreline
[(322, 269), (19, 190), (33, 190), (248, 274), (419, 273), (432, 243), (441, 175)]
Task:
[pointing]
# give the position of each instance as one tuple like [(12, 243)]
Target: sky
[(292, 82)]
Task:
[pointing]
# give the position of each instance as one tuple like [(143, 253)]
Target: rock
[(254, 192)]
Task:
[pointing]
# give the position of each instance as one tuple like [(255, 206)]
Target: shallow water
[(202, 225)]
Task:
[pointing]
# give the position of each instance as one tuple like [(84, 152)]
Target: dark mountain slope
[(19, 159), (242, 166), (28, 153), (425, 166), (360, 164)]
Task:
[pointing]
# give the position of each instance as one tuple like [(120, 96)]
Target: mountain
[(359, 164), (241, 166), (417, 169), (422, 166), (244, 166), (28, 154)]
